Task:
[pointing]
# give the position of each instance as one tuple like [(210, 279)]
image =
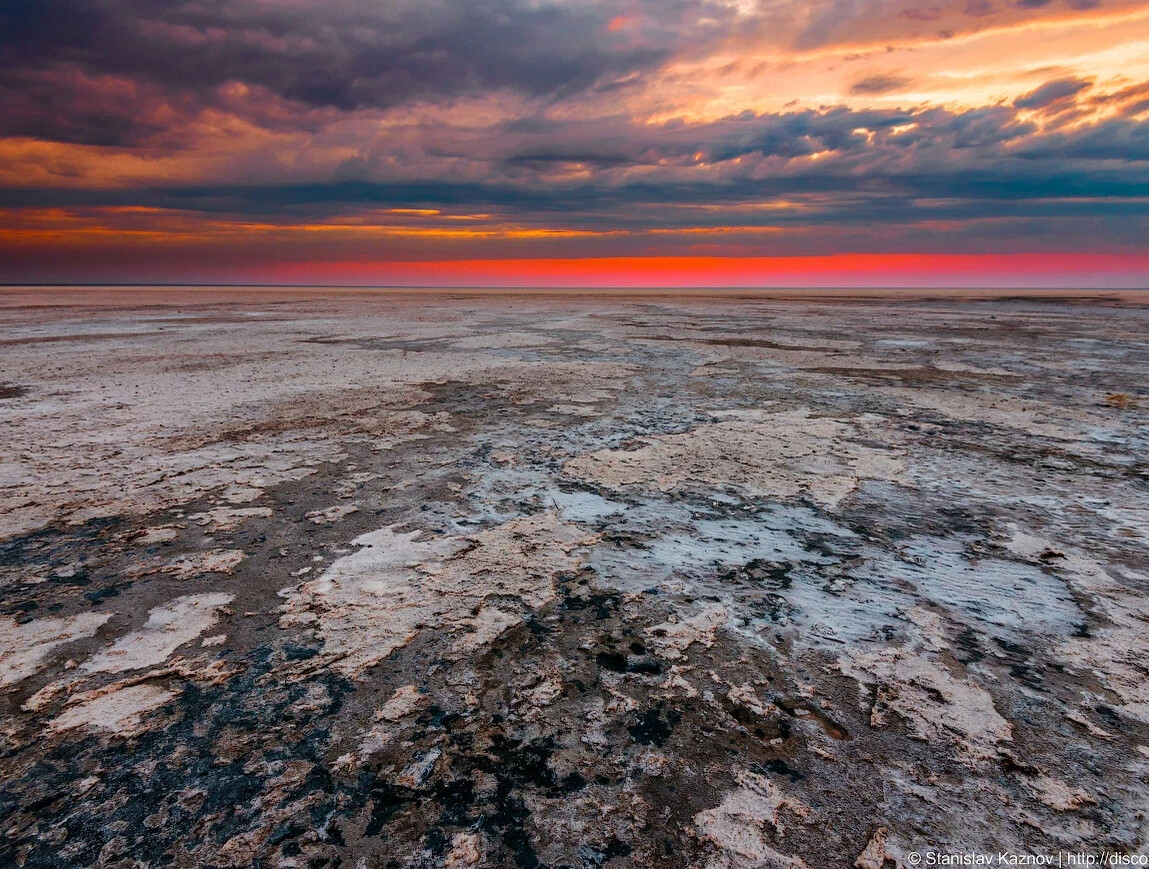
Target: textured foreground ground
[(518, 582)]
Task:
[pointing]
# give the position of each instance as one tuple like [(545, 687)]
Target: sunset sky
[(575, 142)]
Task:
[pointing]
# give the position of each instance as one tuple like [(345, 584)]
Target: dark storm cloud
[(150, 76), (1130, 101), (65, 64), (1051, 92), (345, 54), (878, 84), (64, 105), (979, 8), (874, 167), (1115, 139), (124, 72)]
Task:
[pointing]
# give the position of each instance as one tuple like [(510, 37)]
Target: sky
[(576, 142)]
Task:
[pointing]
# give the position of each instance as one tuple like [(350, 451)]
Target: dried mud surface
[(450, 582)]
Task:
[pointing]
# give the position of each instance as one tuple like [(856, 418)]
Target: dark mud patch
[(383, 343), (77, 338), (654, 726), (740, 342), (206, 771), (917, 376)]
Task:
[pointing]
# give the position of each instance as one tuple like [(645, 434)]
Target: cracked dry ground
[(450, 581)]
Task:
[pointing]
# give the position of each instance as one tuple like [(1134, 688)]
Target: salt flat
[(320, 578)]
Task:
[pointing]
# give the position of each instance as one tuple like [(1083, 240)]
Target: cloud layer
[(222, 133)]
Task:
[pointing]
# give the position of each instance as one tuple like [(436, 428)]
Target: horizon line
[(668, 287)]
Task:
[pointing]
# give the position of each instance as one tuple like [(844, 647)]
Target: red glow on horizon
[(846, 270)]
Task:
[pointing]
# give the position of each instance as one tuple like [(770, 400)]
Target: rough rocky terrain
[(447, 581)]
